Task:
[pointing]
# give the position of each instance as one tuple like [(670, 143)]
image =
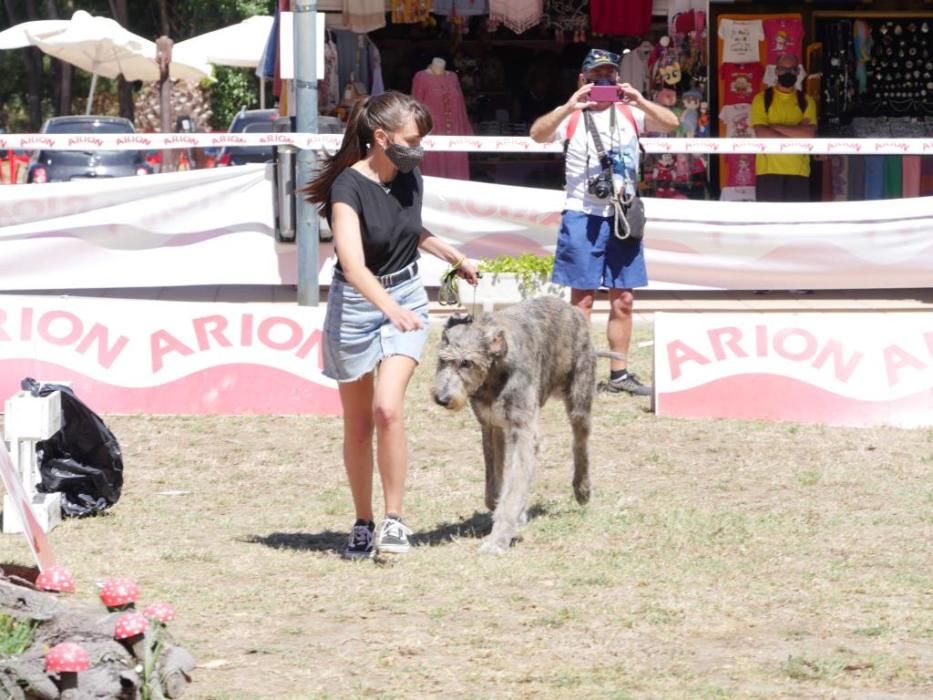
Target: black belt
[(391, 279)]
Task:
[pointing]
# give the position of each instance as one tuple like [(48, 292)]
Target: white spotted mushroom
[(162, 612), (56, 579), (131, 630), (119, 593), (67, 660)]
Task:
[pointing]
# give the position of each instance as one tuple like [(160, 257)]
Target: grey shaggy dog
[(508, 364)]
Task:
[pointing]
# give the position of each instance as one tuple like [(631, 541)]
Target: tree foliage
[(185, 18), (235, 88)]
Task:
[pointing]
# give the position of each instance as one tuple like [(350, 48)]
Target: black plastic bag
[(82, 460)]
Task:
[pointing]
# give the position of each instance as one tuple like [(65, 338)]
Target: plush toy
[(703, 121), (663, 176), (682, 169), (689, 119)]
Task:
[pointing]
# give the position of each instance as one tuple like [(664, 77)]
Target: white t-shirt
[(740, 40), (736, 118), (737, 194), (582, 161), (634, 67)]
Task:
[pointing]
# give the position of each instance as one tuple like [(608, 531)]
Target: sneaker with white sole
[(392, 536), (360, 544), (629, 383)]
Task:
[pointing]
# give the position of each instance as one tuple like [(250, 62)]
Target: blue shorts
[(589, 255), (358, 336)]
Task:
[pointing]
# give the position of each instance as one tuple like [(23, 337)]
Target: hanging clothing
[(460, 8), (620, 17), (377, 86), (741, 82), (740, 39), (839, 174), (740, 170), (783, 35), (856, 178), (926, 176), (442, 95), (634, 69), (893, 177), (874, 177), (410, 11), (736, 120), (352, 58), (329, 88), (364, 15), (911, 175), (517, 15)]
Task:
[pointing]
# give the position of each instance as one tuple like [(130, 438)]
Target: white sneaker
[(392, 536)]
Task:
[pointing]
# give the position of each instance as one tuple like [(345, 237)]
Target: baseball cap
[(600, 57)]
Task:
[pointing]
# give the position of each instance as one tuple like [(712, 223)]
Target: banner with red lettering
[(215, 227), (855, 369), (169, 357)]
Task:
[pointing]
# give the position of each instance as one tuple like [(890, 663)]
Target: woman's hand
[(468, 272), (404, 319)]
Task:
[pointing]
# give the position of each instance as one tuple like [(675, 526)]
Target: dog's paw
[(492, 547), (582, 492)]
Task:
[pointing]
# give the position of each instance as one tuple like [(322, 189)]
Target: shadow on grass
[(476, 526), (327, 541)]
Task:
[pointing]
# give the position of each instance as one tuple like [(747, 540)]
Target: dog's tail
[(611, 355)]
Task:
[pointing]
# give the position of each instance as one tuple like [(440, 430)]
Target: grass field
[(717, 559)]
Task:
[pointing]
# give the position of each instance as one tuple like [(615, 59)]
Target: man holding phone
[(600, 125)]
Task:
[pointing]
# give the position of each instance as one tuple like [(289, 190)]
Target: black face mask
[(787, 80), (405, 158)]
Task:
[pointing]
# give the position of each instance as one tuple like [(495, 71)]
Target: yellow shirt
[(784, 112)]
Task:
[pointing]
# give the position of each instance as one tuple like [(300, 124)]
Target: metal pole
[(305, 19), (90, 94)]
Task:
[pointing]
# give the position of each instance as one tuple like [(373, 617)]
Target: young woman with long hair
[(376, 323)]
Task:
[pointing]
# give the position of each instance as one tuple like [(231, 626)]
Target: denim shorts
[(589, 256), (358, 336)]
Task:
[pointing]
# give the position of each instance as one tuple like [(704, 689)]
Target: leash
[(449, 292)]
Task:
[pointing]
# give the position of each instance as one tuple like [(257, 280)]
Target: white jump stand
[(27, 420)]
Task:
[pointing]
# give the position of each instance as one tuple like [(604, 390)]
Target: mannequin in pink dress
[(439, 90)]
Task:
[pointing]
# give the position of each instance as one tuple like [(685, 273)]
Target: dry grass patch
[(717, 559)]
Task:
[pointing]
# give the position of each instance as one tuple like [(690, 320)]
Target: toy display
[(675, 77)]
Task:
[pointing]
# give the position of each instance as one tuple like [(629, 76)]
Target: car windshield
[(89, 127), (253, 124)]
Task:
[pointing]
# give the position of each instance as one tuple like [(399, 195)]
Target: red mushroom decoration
[(119, 593), (67, 660), (163, 612), (56, 579), (131, 629)]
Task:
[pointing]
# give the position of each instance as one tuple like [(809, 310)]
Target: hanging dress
[(442, 95)]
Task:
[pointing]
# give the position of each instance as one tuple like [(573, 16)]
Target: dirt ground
[(717, 559)]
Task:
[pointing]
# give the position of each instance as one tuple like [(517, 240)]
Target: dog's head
[(466, 352)]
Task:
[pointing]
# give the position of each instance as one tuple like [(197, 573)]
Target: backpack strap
[(623, 108), (801, 100)]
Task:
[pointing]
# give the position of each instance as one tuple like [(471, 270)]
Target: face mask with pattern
[(405, 158)]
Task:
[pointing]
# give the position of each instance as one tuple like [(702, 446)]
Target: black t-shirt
[(390, 222)]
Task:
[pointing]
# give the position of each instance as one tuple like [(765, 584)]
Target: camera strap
[(594, 133), (620, 200)]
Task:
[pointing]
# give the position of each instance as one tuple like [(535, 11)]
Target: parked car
[(61, 166), (249, 121)]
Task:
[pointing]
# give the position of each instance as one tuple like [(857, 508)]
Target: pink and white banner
[(484, 144), (215, 227), (165, 357), (854, 369)]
